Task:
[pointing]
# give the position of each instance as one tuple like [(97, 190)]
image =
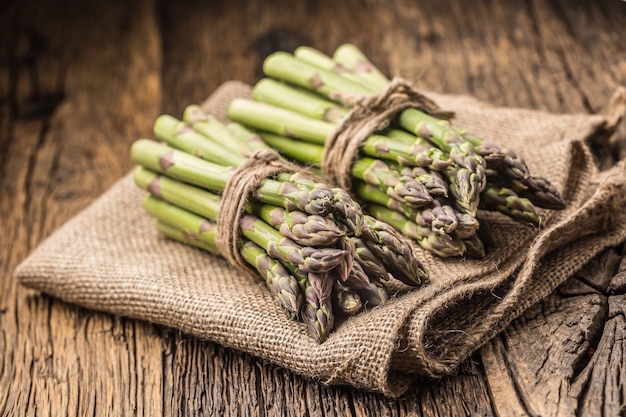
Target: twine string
[(369, 114)]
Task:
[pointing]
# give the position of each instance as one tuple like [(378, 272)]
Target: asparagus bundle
[(421, 175), (307, 240)]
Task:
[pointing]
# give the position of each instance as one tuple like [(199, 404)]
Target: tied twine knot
[(369, 114), (242, 184)]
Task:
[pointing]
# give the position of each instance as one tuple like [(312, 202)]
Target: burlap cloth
[(110, 258)]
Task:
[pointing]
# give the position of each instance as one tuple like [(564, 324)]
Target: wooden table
[(79, 84)]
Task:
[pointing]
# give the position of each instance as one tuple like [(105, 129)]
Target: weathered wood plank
[(532, 373), (78, 85)]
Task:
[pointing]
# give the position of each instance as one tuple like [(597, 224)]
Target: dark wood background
[(80, 82)]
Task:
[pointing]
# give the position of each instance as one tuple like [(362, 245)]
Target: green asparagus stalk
[(431, 180), (284, 66), (348, 212), (310, 104), (185, 196), (180, 135), (439, 160), (307, 259), (189, 228), (351, 58), (474, 247), (442, 245), (370, 193), (252, 139), (211, 128), (302, 228), (316, 314), (395, 253), (401, 188), (371, 265), (507, 202), (322, 284), (462, 184), (440, 218), (292, 122), (515, 174), (541, 193), (183, 237), (192, 226), (317, 59), (370, 291), (266, 117), (467, 225), (281, 283), (188, 168)]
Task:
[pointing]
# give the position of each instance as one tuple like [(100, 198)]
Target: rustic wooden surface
[(78, 84)]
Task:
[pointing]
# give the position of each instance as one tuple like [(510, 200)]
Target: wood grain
[(79, 84)]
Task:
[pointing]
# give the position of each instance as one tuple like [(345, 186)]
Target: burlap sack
[(110, 258)]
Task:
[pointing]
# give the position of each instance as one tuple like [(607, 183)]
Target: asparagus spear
[(183, 237), (310, 104), (371, 265), (474, 247), (306, 258), (194, 227), (394, 251), (348, 212), (188, 168), (284, 66), (507, 202), (317, 59), (309, 230), (351, 58), (252, 139), (370, 291), (440, 244), (289, 122), (189, 228), (211, 128), (181, 136), (282, 284), (317, 314), (370, 193), (188, 197), (403, 189), (431, 180), (540, 192)]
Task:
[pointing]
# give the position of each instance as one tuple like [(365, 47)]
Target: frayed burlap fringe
[(110, 258)]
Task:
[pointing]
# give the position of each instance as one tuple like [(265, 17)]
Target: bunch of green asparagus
[(312, 244), (420, 174)]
